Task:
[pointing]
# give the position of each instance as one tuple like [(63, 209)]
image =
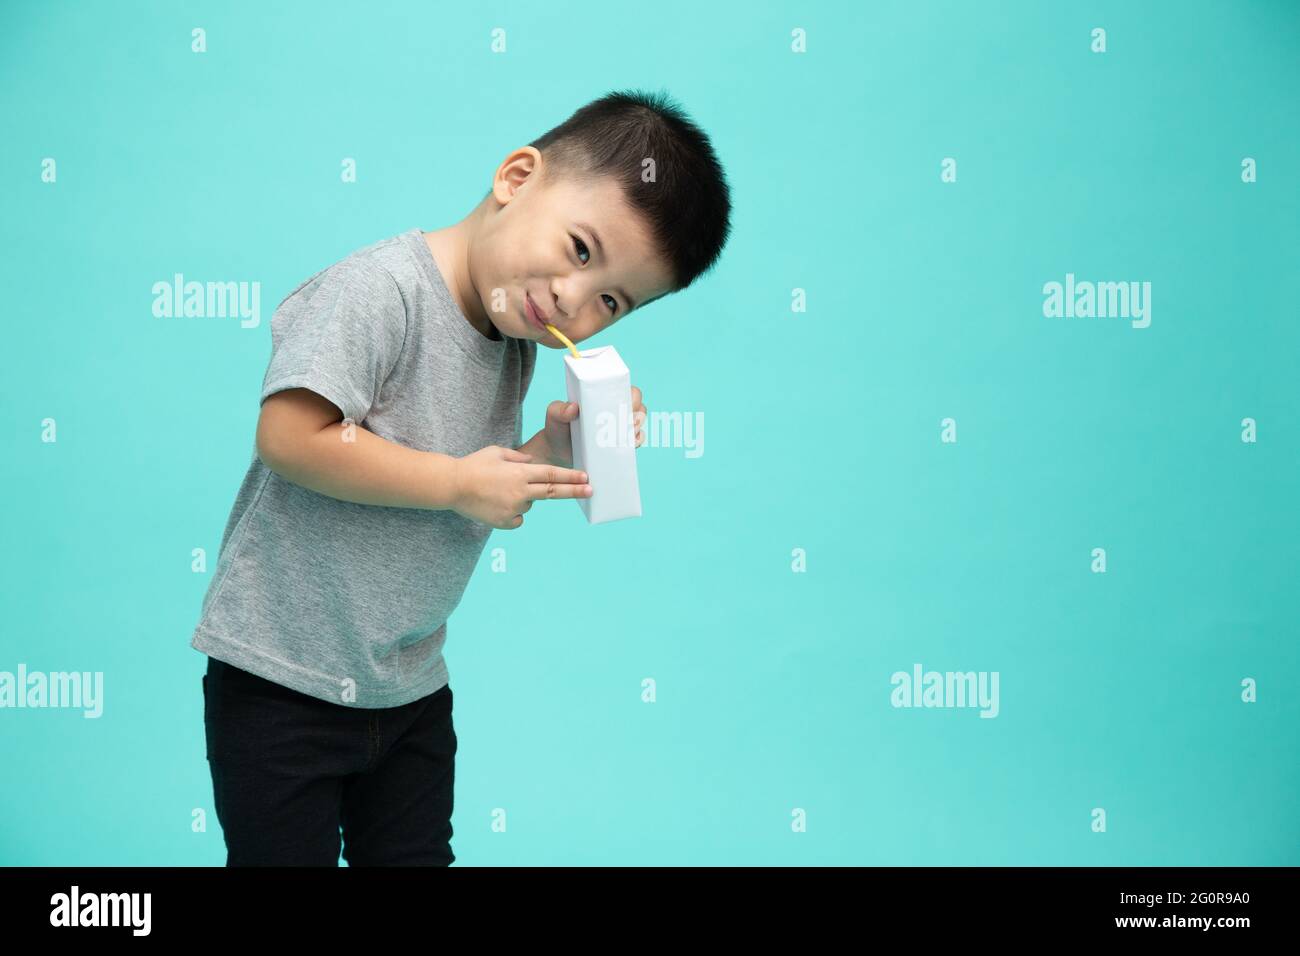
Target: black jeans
[(289, 771)]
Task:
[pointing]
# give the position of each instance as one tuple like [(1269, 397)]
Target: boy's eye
[(581, 249)]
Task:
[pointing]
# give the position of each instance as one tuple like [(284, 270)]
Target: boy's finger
[(539, 491), (552, 474)]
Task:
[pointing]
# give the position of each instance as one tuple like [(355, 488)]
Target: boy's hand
[(638, 416), (556, 430), (496, 485)]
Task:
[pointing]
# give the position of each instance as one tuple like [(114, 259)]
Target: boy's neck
[(450, 250)]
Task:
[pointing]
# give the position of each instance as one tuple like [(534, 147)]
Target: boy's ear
[(516, 169)]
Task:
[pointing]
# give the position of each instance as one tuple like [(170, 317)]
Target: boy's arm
[(300, 435)]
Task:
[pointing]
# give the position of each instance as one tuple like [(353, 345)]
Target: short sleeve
[(340, 335)]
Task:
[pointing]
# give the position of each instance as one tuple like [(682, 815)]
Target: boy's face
[(575, 251)]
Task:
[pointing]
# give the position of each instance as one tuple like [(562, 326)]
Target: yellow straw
[(560, 335)]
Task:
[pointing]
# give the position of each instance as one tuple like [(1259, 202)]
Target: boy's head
[(622, 203)]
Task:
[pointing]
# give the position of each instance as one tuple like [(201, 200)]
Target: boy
[(389, 446)]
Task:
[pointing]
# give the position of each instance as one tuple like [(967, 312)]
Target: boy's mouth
[(534, 317)]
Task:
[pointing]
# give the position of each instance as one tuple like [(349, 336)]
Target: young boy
[(388, 448)]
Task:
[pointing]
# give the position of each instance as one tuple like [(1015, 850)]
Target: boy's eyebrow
[(600, 247)]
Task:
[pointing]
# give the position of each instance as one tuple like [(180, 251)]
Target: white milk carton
[(604, 433)]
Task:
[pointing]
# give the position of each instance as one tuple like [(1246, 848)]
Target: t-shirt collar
[(485, 351)]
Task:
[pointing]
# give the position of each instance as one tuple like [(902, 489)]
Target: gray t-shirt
[(344, 601)]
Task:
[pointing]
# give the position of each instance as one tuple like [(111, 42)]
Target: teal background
[(822, 429)]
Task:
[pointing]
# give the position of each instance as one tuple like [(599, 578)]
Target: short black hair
[(687, 206)]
